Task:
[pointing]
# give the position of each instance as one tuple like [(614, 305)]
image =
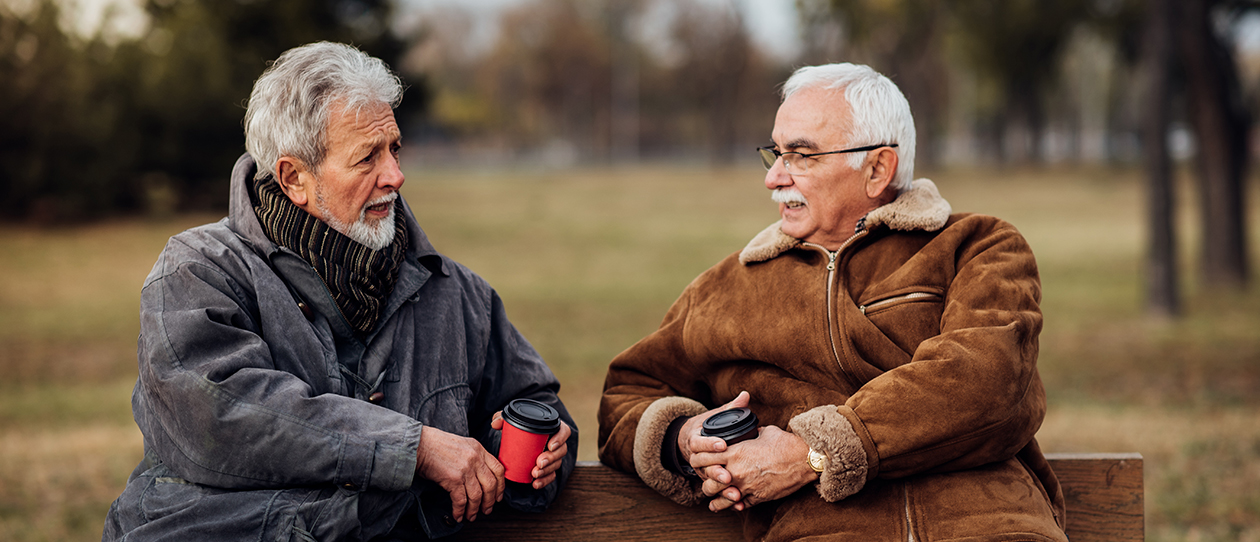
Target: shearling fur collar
[(919, 208)]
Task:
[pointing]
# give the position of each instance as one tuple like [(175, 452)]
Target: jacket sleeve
[(638, 405), (215, 410), (515, 370), (970, 395)]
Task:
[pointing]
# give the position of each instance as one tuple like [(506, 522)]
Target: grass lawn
[(588, 261)]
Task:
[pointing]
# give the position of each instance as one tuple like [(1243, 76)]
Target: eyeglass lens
[(791, 161)]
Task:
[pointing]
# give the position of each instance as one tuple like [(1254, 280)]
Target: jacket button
[(376, 397), (449, 521), (351, 487), (306, 311)]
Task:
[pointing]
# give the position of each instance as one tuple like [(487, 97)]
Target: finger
[(473, 488), (712, 488), (498, 470), (459, 501), (700, 444), (718, 473), (708, 459), (732, 494), (739, 401), (561, 437), (496, 421), (547, 464), (542, 482), (492, 483), (720, 503)]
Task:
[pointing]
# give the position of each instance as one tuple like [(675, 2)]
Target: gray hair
[(879, 111), (289, 107)]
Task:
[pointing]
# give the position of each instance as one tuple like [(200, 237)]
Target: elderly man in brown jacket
[(888, 347)]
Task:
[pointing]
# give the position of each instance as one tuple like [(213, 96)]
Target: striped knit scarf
[(359, 278)]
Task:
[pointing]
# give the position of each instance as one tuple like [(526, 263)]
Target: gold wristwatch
[(816, 461)]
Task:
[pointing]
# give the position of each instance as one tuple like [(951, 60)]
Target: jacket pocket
[(907, 318), (447, 408), (889, 303)]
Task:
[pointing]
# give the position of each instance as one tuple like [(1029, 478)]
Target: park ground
[(587, 262)]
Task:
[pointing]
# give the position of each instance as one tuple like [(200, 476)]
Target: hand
[(549, 461), (690, 441), (462, 467), (769, 467)]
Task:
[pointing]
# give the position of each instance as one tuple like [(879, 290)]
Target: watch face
[(815, 460)]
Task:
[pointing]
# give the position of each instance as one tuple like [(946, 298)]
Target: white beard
[(374, 234)]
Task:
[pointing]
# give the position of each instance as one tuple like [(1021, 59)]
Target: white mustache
[(788, 195), (387, 198)]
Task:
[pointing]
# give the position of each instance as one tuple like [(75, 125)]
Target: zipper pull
[(831, 260)]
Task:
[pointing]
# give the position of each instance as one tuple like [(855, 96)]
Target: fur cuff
[(647, 449), (828, 432)]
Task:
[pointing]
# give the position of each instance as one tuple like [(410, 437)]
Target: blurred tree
[(625, 60), (200, 59), (1016, 44), (1162, 297), (152, 123), (57, 122), (1222, 126), (901, 38), (715, 53), (550, 71)]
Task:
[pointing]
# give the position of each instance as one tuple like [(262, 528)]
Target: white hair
[(290, 105), (879, 112)]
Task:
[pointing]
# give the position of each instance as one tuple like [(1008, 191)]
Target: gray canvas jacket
[(255, 411)]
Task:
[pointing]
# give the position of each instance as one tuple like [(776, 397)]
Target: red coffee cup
[(527, 426)]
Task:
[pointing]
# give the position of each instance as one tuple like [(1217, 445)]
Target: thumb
[(739, 401)]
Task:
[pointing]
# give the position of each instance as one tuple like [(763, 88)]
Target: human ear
[(883, 167), (294, 180)]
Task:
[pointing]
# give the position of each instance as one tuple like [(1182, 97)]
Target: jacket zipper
[(911, 295), (831, 275)]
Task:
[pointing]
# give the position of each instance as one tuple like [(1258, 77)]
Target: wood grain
[(1103, 493)]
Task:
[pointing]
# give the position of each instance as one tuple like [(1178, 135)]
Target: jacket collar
[(919, 208), (244, 222)]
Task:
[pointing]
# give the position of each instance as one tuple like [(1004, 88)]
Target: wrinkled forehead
[(813, 118), (355, 127)]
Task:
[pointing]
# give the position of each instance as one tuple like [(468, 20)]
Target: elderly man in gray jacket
[(310, 367)]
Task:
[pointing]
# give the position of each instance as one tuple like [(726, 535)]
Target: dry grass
[(588, 261)]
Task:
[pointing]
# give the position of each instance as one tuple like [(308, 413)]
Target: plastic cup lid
[(729, 423), (533, 416)]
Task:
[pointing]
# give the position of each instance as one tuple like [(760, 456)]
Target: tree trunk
[(1162, 297), (1221, 125)]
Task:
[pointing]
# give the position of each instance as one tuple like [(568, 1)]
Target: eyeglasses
[(796, 163)]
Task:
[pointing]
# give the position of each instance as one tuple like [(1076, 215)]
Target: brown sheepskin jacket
[(908, 358)]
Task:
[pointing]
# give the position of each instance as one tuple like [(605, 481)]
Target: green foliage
[(151, 123), (59, 108)]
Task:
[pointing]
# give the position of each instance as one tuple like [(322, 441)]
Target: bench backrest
[(1103, 493)]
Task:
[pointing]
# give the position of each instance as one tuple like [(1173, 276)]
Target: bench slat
[(1103, 493)]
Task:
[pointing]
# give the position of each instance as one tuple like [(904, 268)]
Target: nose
[(777, 176), (392, 176)]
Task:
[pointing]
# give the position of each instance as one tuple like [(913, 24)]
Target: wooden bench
[(1103, 492)]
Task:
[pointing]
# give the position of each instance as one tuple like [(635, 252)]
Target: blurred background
[(591, 157)]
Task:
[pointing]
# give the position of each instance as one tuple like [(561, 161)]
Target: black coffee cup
[(733, 425)]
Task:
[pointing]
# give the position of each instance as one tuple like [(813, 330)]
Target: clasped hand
[(473, 477), (769, 467)]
